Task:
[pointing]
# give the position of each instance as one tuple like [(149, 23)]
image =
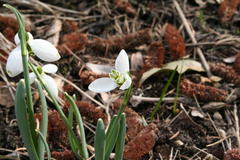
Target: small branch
[(165, 99), (191, 34), (236, 125)]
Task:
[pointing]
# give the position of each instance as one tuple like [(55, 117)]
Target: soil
[(153, 33)]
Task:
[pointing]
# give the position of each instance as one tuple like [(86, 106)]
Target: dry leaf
[(197, 113), (54, 32), (181, 65), (5, 96), (230, 59), (136, 61), (99, 68)]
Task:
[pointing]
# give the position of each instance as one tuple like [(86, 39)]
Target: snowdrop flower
[(41, 48), (119, 77), (48, 80)]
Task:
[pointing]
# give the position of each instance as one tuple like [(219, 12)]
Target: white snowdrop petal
[(44, 50), (50, 68), (14, 62), (32, 77), (102, 85), (127, 83), (122, 62), (17, 40), (51, 84)]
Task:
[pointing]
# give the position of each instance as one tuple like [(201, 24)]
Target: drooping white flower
[(48, 80), (42, 48), (119, 77)]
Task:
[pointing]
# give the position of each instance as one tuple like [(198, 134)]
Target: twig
[(191, 34), (165, 99), (236, 125), (81, 91), (3, 75), (216, 129)]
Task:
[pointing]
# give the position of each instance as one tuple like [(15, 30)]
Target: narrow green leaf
[(111, 138), (55, 102), (157, 107), (44, 122), (78, 116), (99, 141), (111, 125), (73, 145), (23, 41), (23, 121), (121, 138), (174, 108), (45, 145)]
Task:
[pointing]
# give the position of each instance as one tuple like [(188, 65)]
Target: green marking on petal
[(117, 77)]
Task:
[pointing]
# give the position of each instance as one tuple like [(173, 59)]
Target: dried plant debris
[(5, 97), (88, 76), (74, 42), (202, 92), (53, 32), (226, 72), (175, 42), (236, 65), (70, 26), (91, 112), (57, 131), (68, 88), (155, 56), (134, 120), (115, 44), (142, 143), (125, 6), (227, 9), (9, 26), (232, 154), (63, 155)]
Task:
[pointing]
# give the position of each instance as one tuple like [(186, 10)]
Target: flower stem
[(126, 98), (23, 42), (58, 107)]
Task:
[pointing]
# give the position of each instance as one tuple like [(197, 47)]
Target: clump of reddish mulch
[(125, 6), (155, 56), (88, 76), (225, 72), (73, 42), (142, 143), (175, 42), (202, 92), (91, 112), (227, 9), (232, 154), (236, 65), (115, 44), (134, 120)]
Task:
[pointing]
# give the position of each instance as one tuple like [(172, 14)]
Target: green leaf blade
[(99, 141), (23, 122)]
